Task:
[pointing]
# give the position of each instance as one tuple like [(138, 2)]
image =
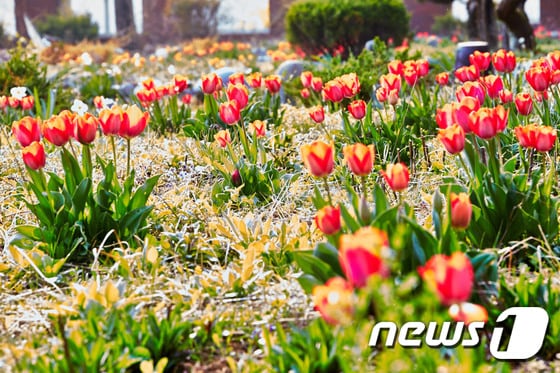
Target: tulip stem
[(86, 160), (364, 188), (127, 157), (114, 152), (328, 190)]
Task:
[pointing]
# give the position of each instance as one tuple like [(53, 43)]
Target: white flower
[(161, 52), (107, 102), (79, 107), (18, 92), (171, 70), (86, 59)]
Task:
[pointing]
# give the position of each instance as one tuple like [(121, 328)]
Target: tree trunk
[(21, 8), (125, 16), (511, 12)]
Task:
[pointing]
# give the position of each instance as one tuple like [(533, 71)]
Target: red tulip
[(545, 138), (467, 73), (461, 210), (483, 123), (85, 128), (350, 84), (538, 78), (211, 83), (452, 138), (471, 89), (305, 93), (273, 83), (34, 155), (494, 85), (450, 277), (504, 61), (360, 158), (390, 82), (180, 83), (506, 96), (410, 75), (134, 122), (524, 103), (255, 80), (422, 68), (396, 67), (361, 255), (230, 112), (317, 113), (333, 91), (146, 96), (149, 84), (335, 301), (258, 127), (442, 78), (554, 60), (328, 220), (57, 131), (396, 176), (13, 102), (306, 77), (317, 84), (237, 78), (480, 59), (3, 102), (186, 98), (27, 130), (111, 119), (239, 93), (27, 103), (526, 135), (357, 109), (318, 157)]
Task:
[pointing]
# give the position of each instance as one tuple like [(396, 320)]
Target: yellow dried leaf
[(152, 255), (111, 292)]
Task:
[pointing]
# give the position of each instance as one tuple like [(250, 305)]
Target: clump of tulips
[(75, 213)]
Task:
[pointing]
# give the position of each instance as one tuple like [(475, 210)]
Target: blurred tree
[(196, 18), (124, 13)]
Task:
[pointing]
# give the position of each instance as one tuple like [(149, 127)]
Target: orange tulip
[(273, 83), (452, 138), (461, 210), (85, 128), (396, 176), (335, 301), (230, 112), (258, 127), (450, 277), (317, 113), (468, 313), (526, 135), (57, 131), (34, 155), (13, 102), (149, 84), (328, 220), (27, 130), (134, 122), (360, 158), (357, 108), (318, 157), (361, 255), (223, 138), (442, 78), (3, 102)]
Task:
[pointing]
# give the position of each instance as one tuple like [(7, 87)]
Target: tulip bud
[(328, 220), (34, 155), (236, 178), (461, 210)]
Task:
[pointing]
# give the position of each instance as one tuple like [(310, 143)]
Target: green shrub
[(323, 26), (71, 29)]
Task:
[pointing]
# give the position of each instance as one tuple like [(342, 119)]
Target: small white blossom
[(107, 102), (18, 92), (171, 70), (79, 107), (86, 59)]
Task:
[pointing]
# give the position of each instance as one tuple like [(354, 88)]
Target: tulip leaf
[(328, 254)]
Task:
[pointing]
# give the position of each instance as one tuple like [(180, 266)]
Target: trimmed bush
[(342, 26), (71, 29)]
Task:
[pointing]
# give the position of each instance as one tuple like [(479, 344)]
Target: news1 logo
[(525, 341)]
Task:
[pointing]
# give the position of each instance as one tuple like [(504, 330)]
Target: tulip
[(111, 119), (410, 75), (180, 83), (328, 220), (468, 312), (467, 73), (422, 67), (361, 255), (494, 85), (305, 93), (3, 102), (134, 122), (239, 93), (255, 80), (471, 89), (523, 103), (526, 135), (13, 102), (445, 116), (98, 102), (211, 83), (538, 78), (393, 97), (545, 138), (57, 131), (317, 113), (506, 96), (236, 179), (258, 127), (465, 107), (442, 78), (396, 67), (452, 138), (554, 77), (483, 123), (335, 301), (27, 103), (480, 59), (333, 91), (186, 98), (230, 112), (27, 130), (450, 277), (503, 61), (350, 85), (85, 128), (461, 210), (149, 84), (223, 138), (317, 84), (318, 158), (390, 82), (146, 96), (237, 78), (554, 59), (273, 83), (396, 176), (34, 155), (306, 77), (381, 94), (360, 158), (357, 109)]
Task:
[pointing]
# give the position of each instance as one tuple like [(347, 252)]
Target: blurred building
[(422, 14)]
